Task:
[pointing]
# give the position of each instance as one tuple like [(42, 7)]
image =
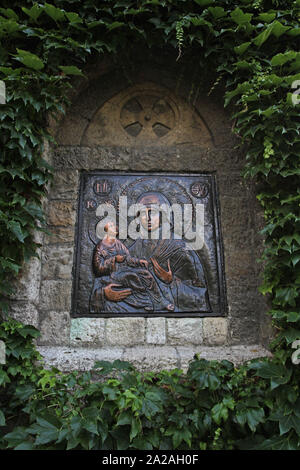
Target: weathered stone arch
[(190, 132)]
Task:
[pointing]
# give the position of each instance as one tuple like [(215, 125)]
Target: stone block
[(233, 184), (237, 221), (89, 331), (240, 266), (55, 328), (156, 330), (125, 331), (27, 284), (152, 358), (61, 213), (24, 312), (59, 235), (181, 331), (214, 331), (57, 262), (71, 157), (55, 295), (64, 185), (244, 329), (245, 301)]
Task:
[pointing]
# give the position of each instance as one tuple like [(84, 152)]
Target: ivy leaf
[(29, 330), (267, 17), (263, 36), (242, 48), (25, 446), (135, 428), (124, 418), (229, 402), (114, 25), (204, 3), (277, 373), (17, 436), (141, 443), (279, 443), (10, 265), (29, 59), (293, 317), (16, 229), (9, 13), (254, 416), (46, 435), (251, 416), (280, 59), (74, 18), (217, 12), (34, 210), (286, 296), (91, 426), (295, 258), (12, 171), (121, 438), (219, 412), (289, 422), (291, 335), (55, 13), (2, 418), (23, 392), (71, 70), (239, 17), (279, 29), (34, 12)]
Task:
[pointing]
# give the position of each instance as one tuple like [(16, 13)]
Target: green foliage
[(213, 406), (253, 47)]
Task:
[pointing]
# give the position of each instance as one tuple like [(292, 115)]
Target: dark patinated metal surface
[(147, 277)]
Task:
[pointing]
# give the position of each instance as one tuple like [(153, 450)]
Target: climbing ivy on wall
[(253, 48)]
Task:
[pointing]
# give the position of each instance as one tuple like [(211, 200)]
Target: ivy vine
[(252, 46)]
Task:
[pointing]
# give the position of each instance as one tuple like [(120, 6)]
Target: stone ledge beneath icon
[(236, 354), (81, 359), (146, 358), (152, 358)]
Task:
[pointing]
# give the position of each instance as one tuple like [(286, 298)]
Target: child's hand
[(144, 263), (120, 258)]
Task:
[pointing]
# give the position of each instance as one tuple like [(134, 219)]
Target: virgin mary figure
[(177, 271)]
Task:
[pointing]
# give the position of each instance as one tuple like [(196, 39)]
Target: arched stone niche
[(151, 122)]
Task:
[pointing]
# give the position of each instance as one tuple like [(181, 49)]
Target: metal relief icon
[(151, 248)]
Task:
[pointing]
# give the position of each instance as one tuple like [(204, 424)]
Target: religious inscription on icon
[(152, 249), (102, 187), (199, 189), (91, 204)]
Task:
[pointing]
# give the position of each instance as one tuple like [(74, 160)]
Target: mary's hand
[(144, 263), (116, 295), (162, 274)]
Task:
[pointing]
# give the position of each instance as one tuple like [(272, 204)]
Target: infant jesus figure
[(113, 263)]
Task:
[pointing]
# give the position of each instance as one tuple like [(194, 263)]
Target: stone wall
[(92, 136)]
